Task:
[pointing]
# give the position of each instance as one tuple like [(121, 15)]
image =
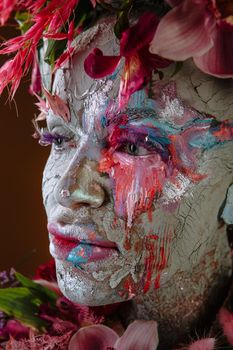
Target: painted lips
[(79, 252)]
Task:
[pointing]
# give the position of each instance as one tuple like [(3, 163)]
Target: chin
[(80, 287)]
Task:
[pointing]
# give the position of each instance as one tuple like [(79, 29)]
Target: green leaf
[(23, 305), (122, 24), (123, 18), (54, 49), (43, 293), (24, 21)]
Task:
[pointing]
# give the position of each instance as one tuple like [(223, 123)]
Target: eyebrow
[(56, 121), (132, 115), (144, 116)]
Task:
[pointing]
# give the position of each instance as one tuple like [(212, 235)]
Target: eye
[(134, 149), (59, 141), (131, 148)]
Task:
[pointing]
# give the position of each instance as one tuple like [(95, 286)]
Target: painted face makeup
[(121, 188)]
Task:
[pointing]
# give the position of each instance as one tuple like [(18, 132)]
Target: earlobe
[(227, 213)]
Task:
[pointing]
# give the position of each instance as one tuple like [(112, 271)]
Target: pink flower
[(48, 19), (202, 29), (139, 62), (226, 321), (203, 344), (6, 7), (139, 335), (14, 329)]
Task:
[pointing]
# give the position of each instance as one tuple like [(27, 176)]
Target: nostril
[(65, 193)]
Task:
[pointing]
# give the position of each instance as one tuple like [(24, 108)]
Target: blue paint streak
[(80, 254)]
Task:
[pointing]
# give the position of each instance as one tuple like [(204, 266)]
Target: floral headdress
[(166, 30)]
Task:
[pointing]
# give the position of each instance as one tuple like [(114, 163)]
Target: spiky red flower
[(47, 19)]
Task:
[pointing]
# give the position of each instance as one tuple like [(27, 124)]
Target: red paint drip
[(149, 264), (134, 189), (162, 260), (157, 281)]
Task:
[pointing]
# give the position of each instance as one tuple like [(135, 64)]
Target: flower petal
[(203, 344), (185, 31), (138, 35), (218, 61), (35, 86), (98, 337), (226, 321), (134, 77), (6, 7), (139, 335), (57, 105), (98, 66), (173, 3)]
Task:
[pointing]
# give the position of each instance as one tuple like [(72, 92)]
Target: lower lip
[(79, 253)]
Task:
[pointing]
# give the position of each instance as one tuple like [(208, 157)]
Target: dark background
[(24, 242)]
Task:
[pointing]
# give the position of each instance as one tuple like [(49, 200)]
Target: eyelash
[(46, 138), (130, 139)]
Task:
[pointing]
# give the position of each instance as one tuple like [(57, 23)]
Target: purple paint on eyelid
[(48, 138)]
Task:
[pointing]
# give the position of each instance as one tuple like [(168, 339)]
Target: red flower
[(139, 62), (46, 272), (202, 29)]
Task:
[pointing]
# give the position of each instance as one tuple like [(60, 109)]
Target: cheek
[(137, 181), (55, 167)]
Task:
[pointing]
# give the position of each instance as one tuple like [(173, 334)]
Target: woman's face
[(120, 187)]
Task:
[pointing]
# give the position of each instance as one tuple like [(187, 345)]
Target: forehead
[(90, 100)]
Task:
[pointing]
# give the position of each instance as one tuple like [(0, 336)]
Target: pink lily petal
[(218, 61), (57, 105), (183, 33), (226, 321), (97, 337), (135, 75), (203, 344), (134, 38), (151, 61), (139, 335), (93, 3), (97, 65)]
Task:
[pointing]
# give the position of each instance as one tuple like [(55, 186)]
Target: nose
[(80, 185)]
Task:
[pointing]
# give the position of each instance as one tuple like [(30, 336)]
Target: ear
[(227, 213)]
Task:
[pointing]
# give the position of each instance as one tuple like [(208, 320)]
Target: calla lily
[(139, 335), (202, 29), (139, 62)]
